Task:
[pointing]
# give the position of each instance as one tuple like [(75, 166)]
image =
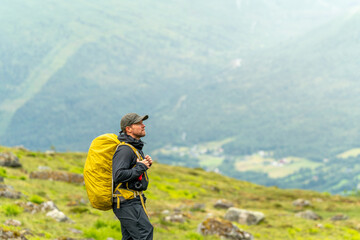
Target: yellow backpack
[(98, 170)]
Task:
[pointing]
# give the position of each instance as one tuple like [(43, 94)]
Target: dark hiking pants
[(135, 224)]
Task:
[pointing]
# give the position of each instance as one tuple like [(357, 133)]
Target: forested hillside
[(307, 103), (169, 59)]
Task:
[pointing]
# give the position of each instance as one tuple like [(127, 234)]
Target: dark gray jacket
[(125, 168)]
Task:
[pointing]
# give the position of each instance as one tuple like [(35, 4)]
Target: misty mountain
[(301, 98), (276, 75)]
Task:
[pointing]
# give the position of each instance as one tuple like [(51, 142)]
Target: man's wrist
[(142, 164)]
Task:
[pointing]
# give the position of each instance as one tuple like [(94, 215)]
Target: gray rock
[(35, 208), (76, 231), (48, 206), (9, 192), (50, 152), (224, 204), (22, 148), (175, 218), (8, 159), (339, 217), (223, 228), (301, 203), (13, 222), (58, 176), (198, 207), (243, 216), (44, 168), (165, 212), (6, 234), (308, 214), (179, 209), (215, 189), (13, 235), (57, 215)]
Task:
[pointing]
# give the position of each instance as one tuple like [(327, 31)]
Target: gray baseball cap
[(131, 118)]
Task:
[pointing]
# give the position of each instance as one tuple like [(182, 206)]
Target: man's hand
[(147, 161)]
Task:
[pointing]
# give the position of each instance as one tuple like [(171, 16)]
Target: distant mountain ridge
[(281, 77)]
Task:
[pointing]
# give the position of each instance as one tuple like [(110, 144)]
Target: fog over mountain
[(277, 75)]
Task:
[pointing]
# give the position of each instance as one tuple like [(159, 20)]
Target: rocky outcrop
[(22, 148), (198, 207), (339, 217), (301, 203), (50, 152), (175, 218), (8, 159), (243, 216), (223, 204), (6, 234), (76, 231), (49, 207), (58, 176), (13, 222), (308, 214), (223, 228), (57, 215), (35, 208), (8, 192)]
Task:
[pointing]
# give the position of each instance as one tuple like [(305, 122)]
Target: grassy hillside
[(171, 188)]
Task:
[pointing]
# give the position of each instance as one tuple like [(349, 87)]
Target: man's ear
[(127, 129)]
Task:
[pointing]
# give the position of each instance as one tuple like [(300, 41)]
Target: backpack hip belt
[(126, 194)]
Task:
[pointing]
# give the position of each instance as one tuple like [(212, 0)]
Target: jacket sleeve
[(123, 170)]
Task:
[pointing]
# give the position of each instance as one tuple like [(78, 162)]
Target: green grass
[(260, 164), (201, 152), (208, 161), (3, 172), (350, 153), (11, 210), (170, 188), (36, 199)]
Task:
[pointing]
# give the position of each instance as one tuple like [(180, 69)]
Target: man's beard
[(140, 135)]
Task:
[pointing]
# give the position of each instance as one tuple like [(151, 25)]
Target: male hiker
[(129, 170)]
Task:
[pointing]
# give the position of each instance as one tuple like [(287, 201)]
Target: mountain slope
[(301, 99), (58, 55), (261, 76), (174, 189)]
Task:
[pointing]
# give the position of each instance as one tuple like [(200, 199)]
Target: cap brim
[(141, 118)]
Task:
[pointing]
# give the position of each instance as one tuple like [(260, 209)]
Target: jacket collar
[(138, 144)]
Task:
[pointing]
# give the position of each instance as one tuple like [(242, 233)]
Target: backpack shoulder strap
[(133, 148), (136, 153)]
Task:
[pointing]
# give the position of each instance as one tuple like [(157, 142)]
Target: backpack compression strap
[(136, 193), (136, 153)]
